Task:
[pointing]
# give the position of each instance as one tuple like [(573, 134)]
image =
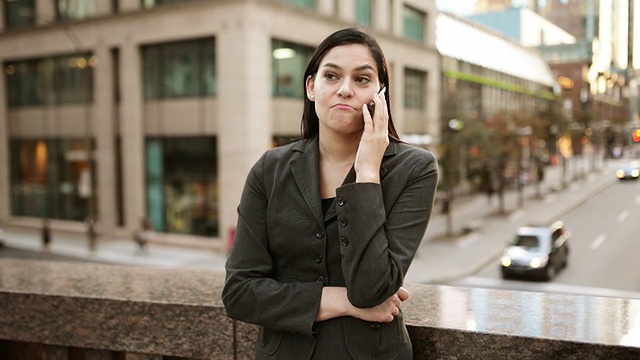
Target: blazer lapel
[(306, 174)]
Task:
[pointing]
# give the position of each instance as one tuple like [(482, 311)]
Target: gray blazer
[(275, 271)]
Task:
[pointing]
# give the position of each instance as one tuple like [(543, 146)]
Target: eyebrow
[(359, 68)]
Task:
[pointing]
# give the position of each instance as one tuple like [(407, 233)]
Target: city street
[(603, 258)]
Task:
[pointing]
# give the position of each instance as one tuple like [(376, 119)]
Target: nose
[(345, 90)]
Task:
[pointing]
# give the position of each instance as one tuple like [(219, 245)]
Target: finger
[(368, 121), (382, 117), (403, 294)]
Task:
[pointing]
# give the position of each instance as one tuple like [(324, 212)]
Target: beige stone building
[(115, 110)]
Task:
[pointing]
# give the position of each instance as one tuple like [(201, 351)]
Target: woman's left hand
[(374, 141)]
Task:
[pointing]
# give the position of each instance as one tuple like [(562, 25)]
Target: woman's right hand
[(384, 312)]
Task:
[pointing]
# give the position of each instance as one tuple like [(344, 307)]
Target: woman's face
[(346, 79)]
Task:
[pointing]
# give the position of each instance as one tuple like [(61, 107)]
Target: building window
[(19, 13), (414, 24), (73, 79), (309, 4), (25, 83), (363, 12), (414, 88), (289, 62), (59, 80), (180, 69), (182, 190), (51, 178), (75, 9), (154, 3)]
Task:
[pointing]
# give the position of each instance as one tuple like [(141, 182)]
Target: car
[(629, 171), (536, 252)]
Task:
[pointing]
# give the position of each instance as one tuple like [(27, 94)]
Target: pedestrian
[(328, 225), (46, 234), (142, 235), (92, 233)]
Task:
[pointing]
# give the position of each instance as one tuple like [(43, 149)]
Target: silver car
[(536, 251)]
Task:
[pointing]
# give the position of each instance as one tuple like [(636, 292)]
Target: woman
[(328, 225)]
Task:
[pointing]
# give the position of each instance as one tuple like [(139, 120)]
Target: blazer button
[(320, 279), (318, 259), (344, 241), (319, 234), (341, 201), (343, 222), (375, 326)]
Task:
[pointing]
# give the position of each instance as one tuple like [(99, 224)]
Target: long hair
[(309, 126)]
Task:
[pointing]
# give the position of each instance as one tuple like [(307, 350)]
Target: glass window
[(414, 88), (75, 9), (24, 83), (414, 24), (182, 191), (51, 178), (60, 80), (19, 13), (180, 69), (309, 4), (73, 79), (363, 12), (289, 62)]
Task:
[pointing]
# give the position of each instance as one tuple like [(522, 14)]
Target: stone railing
[(58, 310)]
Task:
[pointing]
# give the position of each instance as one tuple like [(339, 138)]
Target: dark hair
[(309, 126)]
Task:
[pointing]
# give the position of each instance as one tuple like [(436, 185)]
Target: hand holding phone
[(372, 104)]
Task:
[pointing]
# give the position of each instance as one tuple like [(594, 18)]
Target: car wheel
[(505, 275), (550, 272)]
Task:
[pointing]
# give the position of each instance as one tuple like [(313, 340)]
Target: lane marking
[(623, 216), (598, 241)]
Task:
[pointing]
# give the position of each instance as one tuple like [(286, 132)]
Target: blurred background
[(112, 111)]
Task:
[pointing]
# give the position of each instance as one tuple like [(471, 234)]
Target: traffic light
[(635, 135)]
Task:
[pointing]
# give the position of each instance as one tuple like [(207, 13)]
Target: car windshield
[(527, 241)]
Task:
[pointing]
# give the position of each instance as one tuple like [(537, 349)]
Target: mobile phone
[(372, 104)]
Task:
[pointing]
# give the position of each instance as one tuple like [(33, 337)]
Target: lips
[(343, 107)]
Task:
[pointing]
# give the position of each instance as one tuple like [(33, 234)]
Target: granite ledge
[(178, 312)]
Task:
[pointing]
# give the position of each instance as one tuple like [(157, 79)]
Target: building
[(489, 81), (115, 110)]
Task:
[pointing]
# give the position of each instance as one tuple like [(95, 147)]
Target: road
[(604, 249)]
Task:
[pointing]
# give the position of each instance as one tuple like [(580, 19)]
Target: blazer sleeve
[(251, 294), (378, 245)]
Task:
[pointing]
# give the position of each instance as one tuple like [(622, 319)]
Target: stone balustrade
[(59, 310)]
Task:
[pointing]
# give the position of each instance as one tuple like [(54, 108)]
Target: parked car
[(536, 252), (629, 171)]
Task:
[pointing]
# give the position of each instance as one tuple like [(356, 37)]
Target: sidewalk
[(439, 258)]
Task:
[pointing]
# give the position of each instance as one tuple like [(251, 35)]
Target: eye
[(330, 76), (363, 79)]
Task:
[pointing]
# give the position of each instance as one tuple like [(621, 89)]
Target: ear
[(310, 86)]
